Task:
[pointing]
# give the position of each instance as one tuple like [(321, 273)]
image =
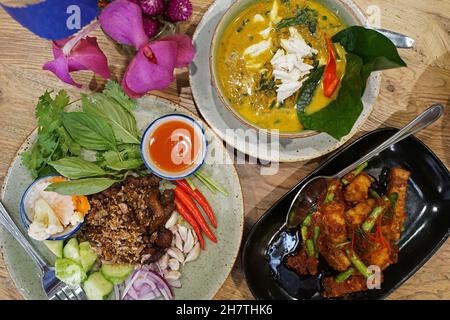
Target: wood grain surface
[(404, 93)]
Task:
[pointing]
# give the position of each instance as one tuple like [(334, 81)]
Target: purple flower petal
[(151, 69), (85, 55), (88, 54), (60, 67), (122, 21), (185, 49)]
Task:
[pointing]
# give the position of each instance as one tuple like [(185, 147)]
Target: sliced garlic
[(163, 261), (176, 253), (193, 254), (174, 264), (172, 220), (189, 244), (178, 241), (173, 275), (183, 232)]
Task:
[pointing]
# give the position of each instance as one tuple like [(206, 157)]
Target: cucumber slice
[(97, 287), (116, 273), (72, 250), (70, 272), (87, 255), (55, 246)]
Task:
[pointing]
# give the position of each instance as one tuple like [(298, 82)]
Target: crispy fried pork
[(356, 228), (126, 222)]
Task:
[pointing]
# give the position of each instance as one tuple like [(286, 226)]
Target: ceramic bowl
[(145, 144), (348, 12), (26, 216)]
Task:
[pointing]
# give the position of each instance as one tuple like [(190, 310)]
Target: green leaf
[(53, 142), (89, 130), (125, 164), (308, 88), (338, 118), (82, 187), (305, 16), (113, 90), (121, 120), (77, 168), (376, 51)]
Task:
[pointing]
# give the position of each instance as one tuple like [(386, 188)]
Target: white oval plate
[(201, 279), (247, 141)]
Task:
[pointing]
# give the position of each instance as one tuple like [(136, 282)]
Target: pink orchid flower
[(80, 52), (153, 66)]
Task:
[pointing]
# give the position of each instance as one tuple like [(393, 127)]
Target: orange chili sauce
[(174, 146)]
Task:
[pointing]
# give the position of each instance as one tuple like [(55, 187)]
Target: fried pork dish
[(355, 224), (125, 224)]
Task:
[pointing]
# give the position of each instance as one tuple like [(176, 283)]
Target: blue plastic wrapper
[(55, 19)]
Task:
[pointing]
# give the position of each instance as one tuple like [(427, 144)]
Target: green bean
[(330, 193), (367, 226), (374, 194), (345, 181), (360, 168), (358, 264), (341, 277), (315, 237), (305, 224), (304, 232), (310, 248)]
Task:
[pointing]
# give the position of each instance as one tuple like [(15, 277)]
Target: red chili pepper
[(201, 200), (330, 79), (192, 207), (187, 216)]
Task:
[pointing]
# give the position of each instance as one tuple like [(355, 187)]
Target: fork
[(55, 289)]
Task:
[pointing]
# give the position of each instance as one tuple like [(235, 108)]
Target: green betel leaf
[(376, 51), (77, 168), (82, 187), (338, 118), (89, 130), (121, 120)]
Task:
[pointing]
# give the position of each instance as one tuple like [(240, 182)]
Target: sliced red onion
[(161, 284)]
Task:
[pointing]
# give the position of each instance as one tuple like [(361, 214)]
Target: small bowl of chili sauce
[(174, 146)]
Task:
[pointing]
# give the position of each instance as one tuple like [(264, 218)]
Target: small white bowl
[(26, 218), (145, 143)]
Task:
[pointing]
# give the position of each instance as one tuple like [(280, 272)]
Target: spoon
[(399, 40), (307, 196)]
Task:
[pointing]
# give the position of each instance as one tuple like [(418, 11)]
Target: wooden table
[(404, 93)]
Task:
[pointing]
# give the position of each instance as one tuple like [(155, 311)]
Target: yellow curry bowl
[(243, 44)]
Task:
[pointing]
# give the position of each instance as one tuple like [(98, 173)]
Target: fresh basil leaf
[(114, 90), (82, 187), (125, 164), (89, 130), (121, 120), (338, 118), (308, 88), (376, 50), (77, 168)]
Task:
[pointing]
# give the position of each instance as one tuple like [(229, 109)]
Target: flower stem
[(80, 35)]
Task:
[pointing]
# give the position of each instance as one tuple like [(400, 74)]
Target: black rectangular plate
[(426, 228)]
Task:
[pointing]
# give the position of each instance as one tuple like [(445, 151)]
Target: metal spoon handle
[(8, 223), (422, 121), (399, 40)]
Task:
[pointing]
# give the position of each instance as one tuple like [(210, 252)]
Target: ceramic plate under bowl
[(427, 224), (202, 278), (249, 141)]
